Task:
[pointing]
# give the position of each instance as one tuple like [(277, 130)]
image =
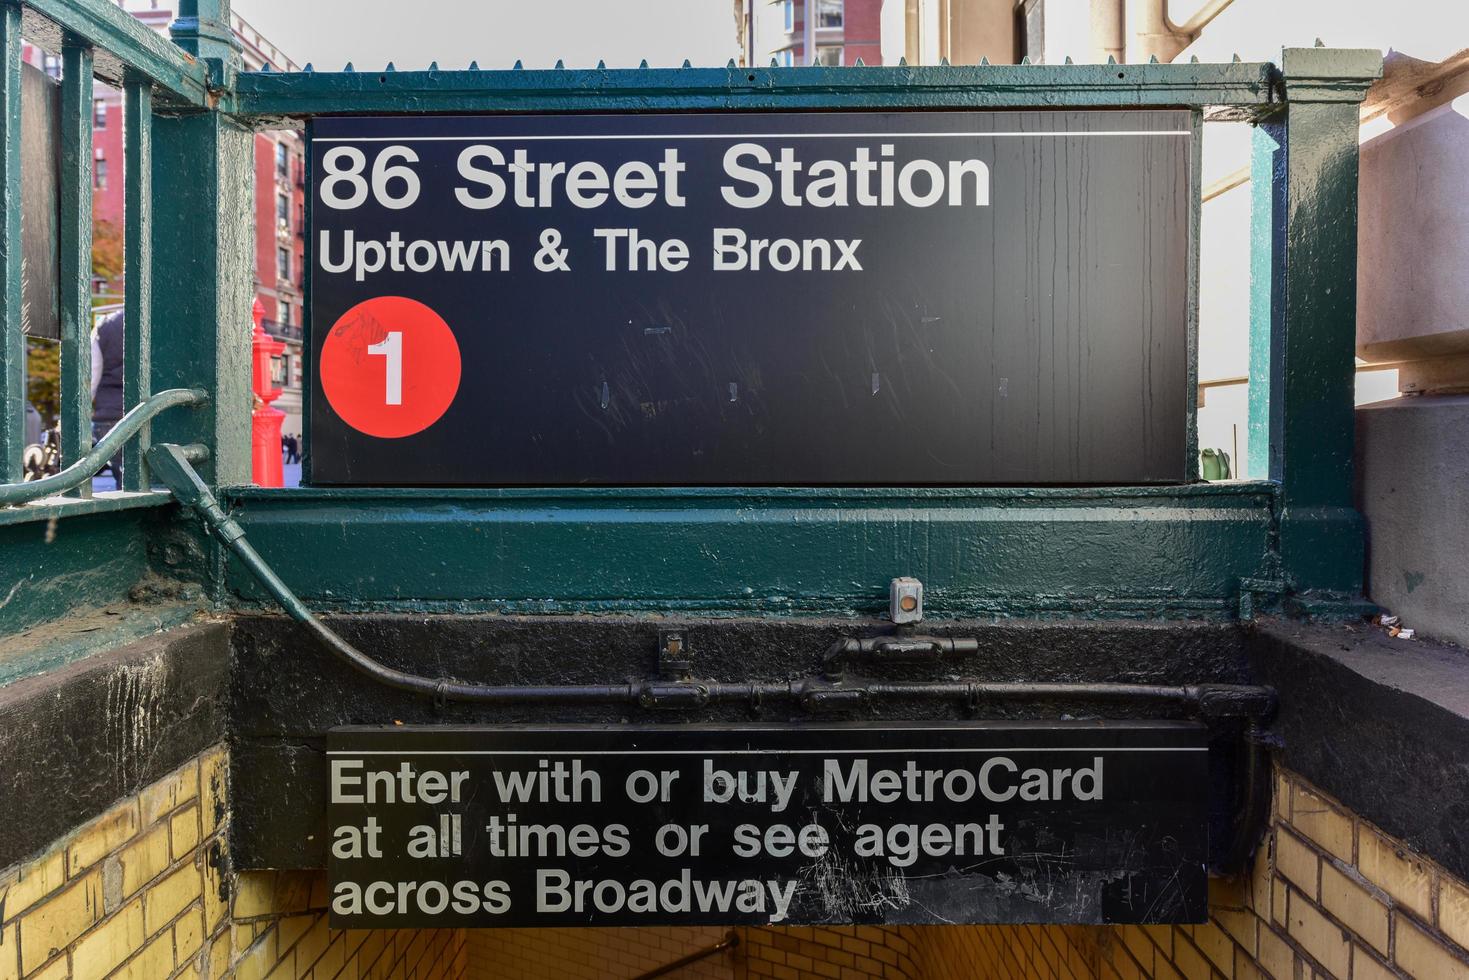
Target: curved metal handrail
[(108, 446)]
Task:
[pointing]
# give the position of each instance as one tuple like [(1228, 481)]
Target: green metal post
[(12, 338), (203, 30), (1195, 223), (138, 261), (201, 324), (1312, 382), (74, 271), (201, 328)]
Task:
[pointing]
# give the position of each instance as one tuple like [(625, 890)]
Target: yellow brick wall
[(592, 954), (1330, 895), (837, 952), (783, 953), (137, 894)]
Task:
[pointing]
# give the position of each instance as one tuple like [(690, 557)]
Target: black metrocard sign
[(1079, 822), (893, 298)]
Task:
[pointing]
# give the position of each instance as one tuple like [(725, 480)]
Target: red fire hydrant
[(265, 421)]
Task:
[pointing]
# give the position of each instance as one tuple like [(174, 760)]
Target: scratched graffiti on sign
[(992, 823)]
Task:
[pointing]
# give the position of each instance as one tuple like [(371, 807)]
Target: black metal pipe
[(1249, 824), (894, 648)]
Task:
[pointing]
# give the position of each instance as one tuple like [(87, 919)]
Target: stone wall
[(1413, 489)]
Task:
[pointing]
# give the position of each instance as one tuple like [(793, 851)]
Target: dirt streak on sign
[(752, 298), (950, 823)]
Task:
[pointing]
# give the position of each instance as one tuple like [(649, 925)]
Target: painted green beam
[(137, 382), (1305, 302), (74, 270), (12, 336), (1141, 551), (121, 43), (201, 323), (1245, 87)]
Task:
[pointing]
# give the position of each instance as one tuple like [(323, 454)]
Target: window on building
[(788, 12), (786, 57), (285, 312), (282, 160), (51, 65), (99, 114), (278, 372), (829, 54), (283, 210), (830, 13), (283, 263), (99, 173)]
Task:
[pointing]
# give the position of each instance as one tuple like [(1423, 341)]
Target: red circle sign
[(390, 367)]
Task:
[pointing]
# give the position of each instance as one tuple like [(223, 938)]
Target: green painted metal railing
[(82, 471), (94, 39)]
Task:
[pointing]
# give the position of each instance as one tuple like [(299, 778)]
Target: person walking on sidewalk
[(107, 406)]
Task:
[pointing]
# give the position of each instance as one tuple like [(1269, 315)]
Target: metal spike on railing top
[(643, 63), (984, 61), (390, 67), (943, 62), (687, 63), (601, 65), (1152, 59), (433, 66), (1111, 59), (1236, 59), (474, 66), (1193, 59), (349, 67), (859, 63), (309, 67), (902, 62), (560, 65), (1025, 60), (731, 64), (1069, 61), (517, 66)]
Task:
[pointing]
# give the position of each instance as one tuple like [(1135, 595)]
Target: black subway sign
[(750, 298), (1084, 822)]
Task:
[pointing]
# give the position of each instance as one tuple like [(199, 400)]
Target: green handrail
[(84, 469)]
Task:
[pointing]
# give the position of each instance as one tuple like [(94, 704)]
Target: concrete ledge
[(78, 739), (1379, 723)]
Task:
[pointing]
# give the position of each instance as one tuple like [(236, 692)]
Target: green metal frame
[(57, 556), (1198, 549)]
